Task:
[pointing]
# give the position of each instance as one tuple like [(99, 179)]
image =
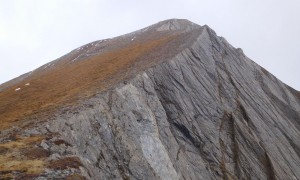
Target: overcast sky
[(34, 32)]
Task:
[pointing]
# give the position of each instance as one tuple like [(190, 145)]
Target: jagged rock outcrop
[(193, 108)]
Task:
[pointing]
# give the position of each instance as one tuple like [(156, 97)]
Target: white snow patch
[(47, 65), (133, 38), (18, 89), (75, 59), (27, 84)]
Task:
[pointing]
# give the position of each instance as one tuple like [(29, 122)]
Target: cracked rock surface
[(209, 112)]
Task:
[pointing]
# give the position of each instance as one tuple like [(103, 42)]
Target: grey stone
[(44, 145), (207, 112), (54, 156)]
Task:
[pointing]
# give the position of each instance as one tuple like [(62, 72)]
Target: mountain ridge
[(171, 101)]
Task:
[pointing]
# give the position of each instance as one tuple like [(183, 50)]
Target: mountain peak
[(170, 101), (176, 24)]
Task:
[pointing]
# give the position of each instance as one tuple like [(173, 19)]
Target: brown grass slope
[(67, 82)]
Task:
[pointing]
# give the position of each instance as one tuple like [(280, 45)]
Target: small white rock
[(54, 156), (18, 89), (44, 145)]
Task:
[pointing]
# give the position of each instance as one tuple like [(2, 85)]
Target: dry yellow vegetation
[(14, 157), (67, 82)]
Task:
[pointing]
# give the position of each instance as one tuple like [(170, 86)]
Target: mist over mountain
[(170, 101)]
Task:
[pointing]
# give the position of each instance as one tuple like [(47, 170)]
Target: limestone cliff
[(170, 101)]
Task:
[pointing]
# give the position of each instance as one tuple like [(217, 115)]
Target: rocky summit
[(170, 101)]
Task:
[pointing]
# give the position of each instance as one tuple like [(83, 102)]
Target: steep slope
[(86, 70), (171, 101)]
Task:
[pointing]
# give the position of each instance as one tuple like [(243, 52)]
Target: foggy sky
[(34, 32)]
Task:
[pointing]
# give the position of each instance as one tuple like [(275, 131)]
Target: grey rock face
[(207, 113)]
